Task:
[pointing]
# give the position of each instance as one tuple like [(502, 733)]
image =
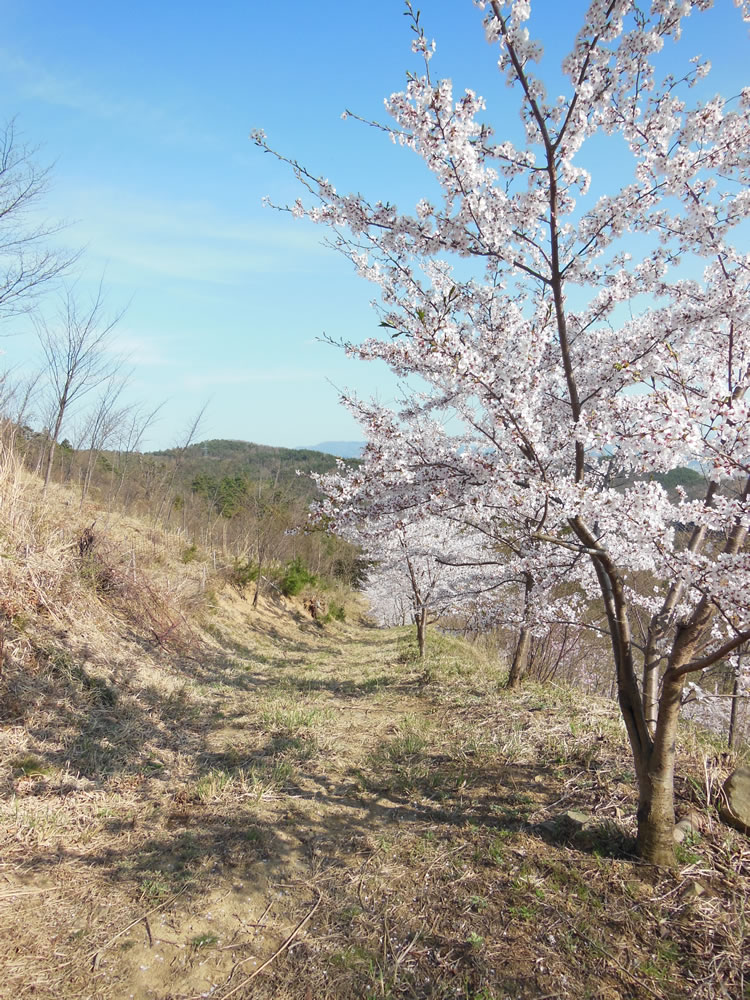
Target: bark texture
[(520, 660)]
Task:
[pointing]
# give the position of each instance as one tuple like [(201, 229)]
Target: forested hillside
[(255, 462), (233, 503)]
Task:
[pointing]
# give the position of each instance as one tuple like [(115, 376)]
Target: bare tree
[(179, 455), (132, 432), (101, 425), (27, 261), (75, 348), (16, 399)]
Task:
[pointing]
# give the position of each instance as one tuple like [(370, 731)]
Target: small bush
[(29, 766), (296, 577), (336, 613), (190, 553), (242, 574)]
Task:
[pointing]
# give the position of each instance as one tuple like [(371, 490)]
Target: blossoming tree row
[(587, 328)]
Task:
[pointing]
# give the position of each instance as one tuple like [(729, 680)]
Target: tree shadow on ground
[(96, 722), (509, 797), (350, 688), (378, 841)]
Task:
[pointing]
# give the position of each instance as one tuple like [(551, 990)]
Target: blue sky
[(145, 111)]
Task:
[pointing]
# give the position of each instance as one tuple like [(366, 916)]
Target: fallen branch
[(94, 955), (282, 947)]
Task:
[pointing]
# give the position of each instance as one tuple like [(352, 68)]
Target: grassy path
[(310, 813)]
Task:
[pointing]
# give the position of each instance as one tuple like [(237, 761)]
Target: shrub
[(243, 573), (336, 612), (190, 553), (296, 577)]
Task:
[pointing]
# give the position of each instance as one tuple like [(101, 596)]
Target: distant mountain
[(342, 449), (255, 462)]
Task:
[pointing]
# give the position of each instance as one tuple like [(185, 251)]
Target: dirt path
[(161, 877), (310, 813)]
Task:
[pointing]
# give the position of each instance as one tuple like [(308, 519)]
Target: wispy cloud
[(207, 380), (34, 82), (144, 351), (190, 241)]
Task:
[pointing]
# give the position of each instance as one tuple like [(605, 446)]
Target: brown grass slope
[(202, 799)]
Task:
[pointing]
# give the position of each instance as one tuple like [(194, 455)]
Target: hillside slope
[(257, 462), (201, 798)]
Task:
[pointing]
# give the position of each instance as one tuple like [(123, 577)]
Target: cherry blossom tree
[(411, 577), (407, 582), (434, 555), (570, 319)]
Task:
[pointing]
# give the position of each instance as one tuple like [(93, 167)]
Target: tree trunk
[(40, 458), (656, 781), (657, 627), (655, 841), (48, 463), (653, 758), (520, 660), (420, 618), (732, 736), (521, 654), (61, 407), (87, 476)]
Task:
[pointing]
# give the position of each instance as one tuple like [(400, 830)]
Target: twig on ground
[(407, 948), (282, 947), (94, 955), (30, 892)]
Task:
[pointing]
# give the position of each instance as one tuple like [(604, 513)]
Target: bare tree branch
[(28, 261)]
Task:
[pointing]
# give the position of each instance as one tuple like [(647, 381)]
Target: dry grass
[(77, 569), (304, 812)]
